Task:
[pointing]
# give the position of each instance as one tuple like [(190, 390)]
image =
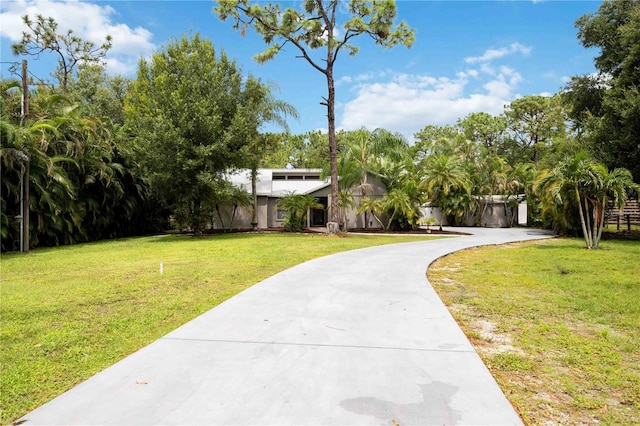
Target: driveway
[(354, 338)]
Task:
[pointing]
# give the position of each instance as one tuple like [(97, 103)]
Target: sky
[(468, 56)]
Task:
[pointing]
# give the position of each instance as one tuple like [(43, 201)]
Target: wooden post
[(24, 243)]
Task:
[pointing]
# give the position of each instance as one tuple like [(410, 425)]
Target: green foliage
[(448, 185), (535, 122), (297, 206), (81, 188), (190, 116), (307, 151), (606, 108), (100, 94), (579, 183)]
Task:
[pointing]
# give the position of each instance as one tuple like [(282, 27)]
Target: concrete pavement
[(353, 338)]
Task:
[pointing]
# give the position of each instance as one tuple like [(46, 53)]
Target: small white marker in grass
[(161, 267)]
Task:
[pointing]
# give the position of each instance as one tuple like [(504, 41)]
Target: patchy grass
[(69, 312), (557, 325)]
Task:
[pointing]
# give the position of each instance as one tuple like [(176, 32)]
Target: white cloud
[(89, 21), (407, 102), (491, 54)]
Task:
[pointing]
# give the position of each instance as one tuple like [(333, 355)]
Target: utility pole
[(24, 207)]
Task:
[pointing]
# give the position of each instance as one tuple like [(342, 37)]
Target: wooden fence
[(629, 215)]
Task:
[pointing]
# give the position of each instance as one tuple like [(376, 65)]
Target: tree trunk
[(333, 150), (582, 219), (220, 217)]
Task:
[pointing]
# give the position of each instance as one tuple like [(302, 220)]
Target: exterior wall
[(495, 215), (262, 212), (522, 214), (376, 190), (272, 214), (241, 220)]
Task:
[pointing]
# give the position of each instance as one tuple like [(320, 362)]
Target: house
[(491, 211), (272, 184)]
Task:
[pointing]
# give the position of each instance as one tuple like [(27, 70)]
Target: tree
[(534, 122), (189, 115), (81, 188), (447, 184), (579, 183), (101, 94), (70, 49), (260, 108), (606, 107), (307, 151), (297, 206), (484, 129), (315, 28), (362, 153), (430, 140)]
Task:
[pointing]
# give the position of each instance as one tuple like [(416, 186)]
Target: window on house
[(281, 214), (279, 177)]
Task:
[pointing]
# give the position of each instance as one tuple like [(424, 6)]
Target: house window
[(279, 177), (314, 177), (281, 214), (295, 177)]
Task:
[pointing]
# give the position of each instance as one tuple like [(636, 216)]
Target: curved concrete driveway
[(354, 338)]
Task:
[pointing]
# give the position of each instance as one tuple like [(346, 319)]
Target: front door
[(319, 216)]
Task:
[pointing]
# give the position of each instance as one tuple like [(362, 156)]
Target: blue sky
[(468, 56)]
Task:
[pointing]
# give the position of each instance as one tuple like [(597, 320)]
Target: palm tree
[(297, 207), (580, 183), (445, 177), (373, 205), (362, 153), (346, 202), (261, 108), (399, 204), (614, 185)]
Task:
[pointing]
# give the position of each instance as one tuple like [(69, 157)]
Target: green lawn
[(557, 325), (69, 312)]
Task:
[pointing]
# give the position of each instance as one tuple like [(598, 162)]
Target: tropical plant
[(296, 207), (80, 187), (375, 206), (447, 185), (346, 202), (362, 153), (579, 183)]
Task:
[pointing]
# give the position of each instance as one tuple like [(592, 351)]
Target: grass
[(69, 312), (557, 325)]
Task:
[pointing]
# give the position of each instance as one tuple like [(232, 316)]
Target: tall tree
[(485, 129), (186, 121), (534, 123), (42, 35), (607, 107), (315, 29)]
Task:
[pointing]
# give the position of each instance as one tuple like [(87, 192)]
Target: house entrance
[(319, 216)]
